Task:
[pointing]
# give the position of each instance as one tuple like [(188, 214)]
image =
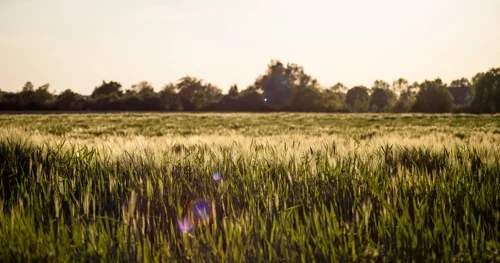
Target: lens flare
[(217, 176), (185, 225), (278, 92), (201, 212)]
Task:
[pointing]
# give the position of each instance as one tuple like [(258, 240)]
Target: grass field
[(249, 188)]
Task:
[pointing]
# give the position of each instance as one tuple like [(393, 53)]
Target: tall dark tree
[(357, 99), (28, 87), (251, 99), (407, 98), (382, 99), (400, 85), (26, 95), (339, 87), (486, 97), (333, 100), (277, 86), (111, 88), (463, 82), (289, 88), (476, 78), (141, 97), (143, 87), (169, 98), (195, 94), (433, 97), (69, 100), (381, 84), (39, 99), (233, 91), (43, 98)]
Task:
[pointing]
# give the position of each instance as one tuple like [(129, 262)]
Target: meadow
[(277, 187)]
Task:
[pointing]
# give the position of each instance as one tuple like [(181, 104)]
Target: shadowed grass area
[(184, 124), (375, 196)]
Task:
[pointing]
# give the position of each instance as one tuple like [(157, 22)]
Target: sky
[(78, 44)]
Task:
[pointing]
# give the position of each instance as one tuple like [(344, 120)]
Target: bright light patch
[(217, 176)]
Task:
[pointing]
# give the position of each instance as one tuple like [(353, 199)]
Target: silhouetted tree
[(289, 88), (400, 85), (11, 101), (169, 98), (333, 100), (69, 100), (26, 100), (463, 82), (195, 94), (250, 99), (233, 91), (486, 97), (407, 98), (381, 84), (107, 96), (476, 78), (282, 87), (141, 97), (43, 98), (39, 99), (433, 97), (143, 87), (339, 87), (357, 99), (277, 86), (382, 99), (107, 89)]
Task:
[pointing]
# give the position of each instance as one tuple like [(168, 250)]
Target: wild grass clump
[(333, 201)]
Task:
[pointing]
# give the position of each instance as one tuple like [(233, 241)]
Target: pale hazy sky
[(77, 44)]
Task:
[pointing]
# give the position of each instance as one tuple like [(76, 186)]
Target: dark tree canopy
[(357, 99), (195, 95), (487, 92), (463, 82), (107, 89), (281, 87), (433, 97), (382, 100), (233, 91)]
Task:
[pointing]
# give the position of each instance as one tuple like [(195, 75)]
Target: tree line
[(283, 87)]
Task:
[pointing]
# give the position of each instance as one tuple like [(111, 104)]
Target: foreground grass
[(291, 198)]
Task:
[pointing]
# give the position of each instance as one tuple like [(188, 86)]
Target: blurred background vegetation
[(481, 94)]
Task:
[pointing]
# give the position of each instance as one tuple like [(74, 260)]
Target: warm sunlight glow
[(76, 45)]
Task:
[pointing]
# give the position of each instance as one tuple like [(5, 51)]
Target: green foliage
[(339, 87), (300, 93), (195, 94), (107, 89), (68, 203), (433, 97), (463, 82), (254, 124), (69, 100), (382, 99), (357, 99), (333, 100), (233, 91), (486, 97), (169, 98)]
